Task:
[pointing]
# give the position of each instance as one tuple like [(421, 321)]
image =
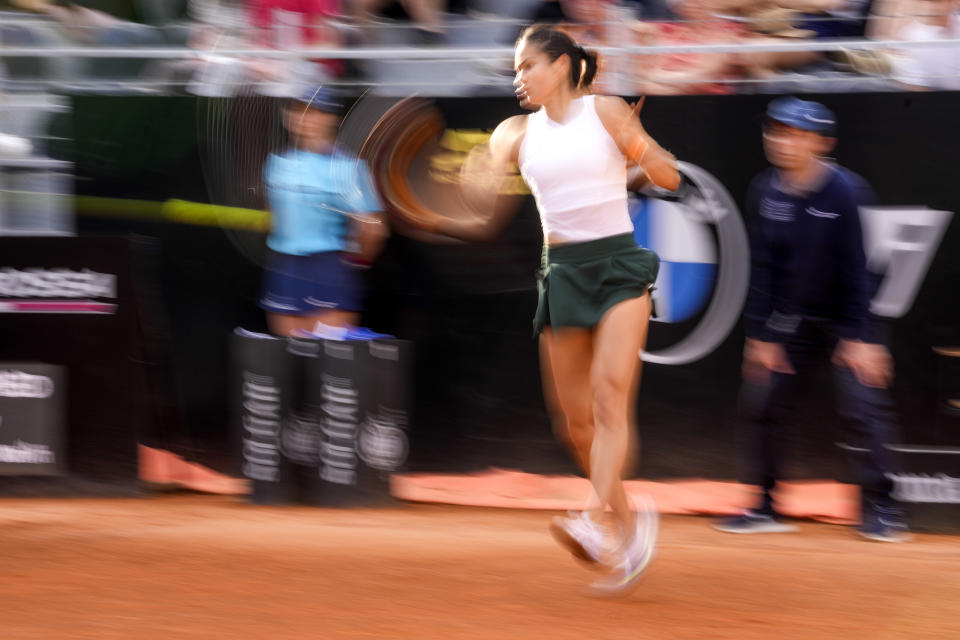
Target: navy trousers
[(866, 413)]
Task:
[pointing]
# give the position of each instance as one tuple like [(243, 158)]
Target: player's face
[(537, 77), (789, 148), (310, 126)]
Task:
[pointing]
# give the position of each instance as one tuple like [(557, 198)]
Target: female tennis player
[(594, 284)]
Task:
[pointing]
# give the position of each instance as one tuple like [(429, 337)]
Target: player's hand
[(371, 233), (636, 144), (870, 363), (761, 358), (635, 108)]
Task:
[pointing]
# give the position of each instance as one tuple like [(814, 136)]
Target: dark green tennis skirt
[(578, 282)]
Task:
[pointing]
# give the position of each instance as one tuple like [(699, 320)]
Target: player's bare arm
[(482, 180), (623, 125)]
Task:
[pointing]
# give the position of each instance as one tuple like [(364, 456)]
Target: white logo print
[(56, 283), (713, 202), (382, 445), (822, 214), (921, 487), (900, 243), (18, 384), (261, 424), (321, 303), (775, 210), (21, 452)]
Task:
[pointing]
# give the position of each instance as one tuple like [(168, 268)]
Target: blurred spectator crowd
[(222, 47)]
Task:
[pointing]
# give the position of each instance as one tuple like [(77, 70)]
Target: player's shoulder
[(611, 108), (850, 184), (609, 103), (848, 179), (508, 135), (276, 164), (514, 125), (343, 156)]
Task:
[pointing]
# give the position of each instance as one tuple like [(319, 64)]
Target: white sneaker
[(581, 536), (626, 573)]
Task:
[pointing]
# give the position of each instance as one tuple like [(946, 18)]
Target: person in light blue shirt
[(326, 221)]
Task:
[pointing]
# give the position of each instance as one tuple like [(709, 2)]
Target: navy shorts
[(302, 285)]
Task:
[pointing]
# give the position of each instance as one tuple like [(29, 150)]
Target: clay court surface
[(189, 566)]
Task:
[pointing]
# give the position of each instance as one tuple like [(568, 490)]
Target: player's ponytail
[(587, 68), (556, 43)]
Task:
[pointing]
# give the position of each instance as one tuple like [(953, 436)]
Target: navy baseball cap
[(321, 99), (803, 114)]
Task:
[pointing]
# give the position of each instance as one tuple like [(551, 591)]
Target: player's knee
[(610, 403)]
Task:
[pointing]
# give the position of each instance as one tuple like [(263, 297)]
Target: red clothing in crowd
[(290, 24)]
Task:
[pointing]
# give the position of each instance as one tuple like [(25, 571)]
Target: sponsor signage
[(32, 434), (44, 290)]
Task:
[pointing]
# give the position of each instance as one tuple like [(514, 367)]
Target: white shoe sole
[(608, 587), (566, 540), (898, 537), (767, 528)]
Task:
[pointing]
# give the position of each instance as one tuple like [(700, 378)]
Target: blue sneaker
[(326, 332), (362, 333), (752, 522), (884, 524)]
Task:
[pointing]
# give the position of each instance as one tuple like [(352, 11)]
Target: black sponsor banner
[(928, 487), (302, 435), (264, 378), (339, 402), (383, 440), (32, 429), (467, 307), (345, 408), (363, 395), (80, 304), (477, 299), (341, 392)]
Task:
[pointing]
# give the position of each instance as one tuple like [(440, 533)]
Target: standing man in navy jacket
[(809, 296)]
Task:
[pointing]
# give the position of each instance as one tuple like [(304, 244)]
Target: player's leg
[(614, 375), (868, 417), (566, 354), (284, 324), (575, 434), (336, 318), (282, 296), (333, 291), (765, 405)]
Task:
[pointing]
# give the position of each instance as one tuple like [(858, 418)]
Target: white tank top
[(577, 175)]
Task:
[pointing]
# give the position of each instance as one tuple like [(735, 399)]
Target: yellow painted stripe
[(175, 211)]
